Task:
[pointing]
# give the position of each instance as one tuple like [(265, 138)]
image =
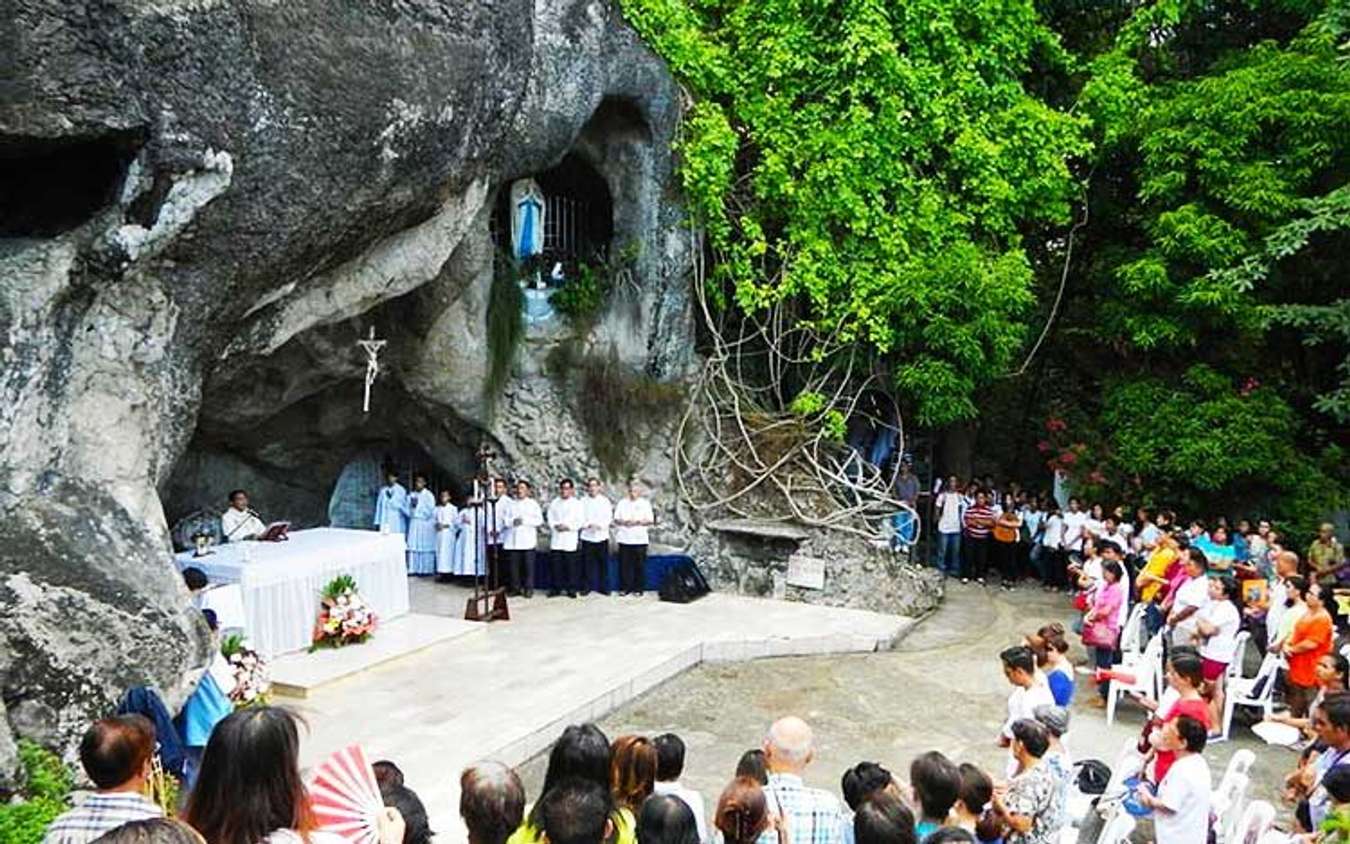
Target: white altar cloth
[(281, 581)]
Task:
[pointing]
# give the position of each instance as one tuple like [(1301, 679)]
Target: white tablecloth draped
[(226, 600), (281, 581)]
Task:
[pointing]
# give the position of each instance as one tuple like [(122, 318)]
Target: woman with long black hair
[(249, 790)]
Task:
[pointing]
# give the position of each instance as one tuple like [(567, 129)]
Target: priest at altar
[(239, 522)]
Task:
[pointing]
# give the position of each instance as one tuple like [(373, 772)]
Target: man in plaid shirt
[(809, 815), (116, 754)]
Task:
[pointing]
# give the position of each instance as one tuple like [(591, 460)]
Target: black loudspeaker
[(684, 583)]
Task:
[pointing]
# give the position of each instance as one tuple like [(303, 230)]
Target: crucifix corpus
[(372, 347)]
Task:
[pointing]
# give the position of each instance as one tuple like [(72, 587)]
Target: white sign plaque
[(806, 572)]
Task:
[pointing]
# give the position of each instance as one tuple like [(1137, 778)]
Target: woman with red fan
[(249, 790)]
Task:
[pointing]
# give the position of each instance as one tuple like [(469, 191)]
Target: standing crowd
[(1203, 595)]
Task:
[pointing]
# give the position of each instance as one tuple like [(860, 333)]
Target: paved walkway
[(942, 688), (507, 692)]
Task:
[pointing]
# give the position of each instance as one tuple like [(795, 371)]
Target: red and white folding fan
[(345, 796)]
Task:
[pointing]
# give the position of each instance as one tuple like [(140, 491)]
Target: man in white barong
[(499, 530), (632, 518), (565, 518), (421, 512), (447, 527), (598, 513), (390, 505), (239, 522), (526, 518)]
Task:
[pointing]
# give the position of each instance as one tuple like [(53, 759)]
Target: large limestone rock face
[(202, 205)]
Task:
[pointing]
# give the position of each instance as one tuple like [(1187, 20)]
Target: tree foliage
[(904, 175), (878, 163)]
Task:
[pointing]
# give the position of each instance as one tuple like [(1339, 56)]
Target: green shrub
[(46, 795), (505, 324), (616, 405)]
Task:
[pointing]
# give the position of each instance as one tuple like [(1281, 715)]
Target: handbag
[(1099, 634), (1080, 601)]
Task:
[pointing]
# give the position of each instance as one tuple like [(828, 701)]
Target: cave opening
[(54, 185), (578, 215), (352, 502)]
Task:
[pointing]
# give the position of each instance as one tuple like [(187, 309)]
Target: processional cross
[(372, 347)]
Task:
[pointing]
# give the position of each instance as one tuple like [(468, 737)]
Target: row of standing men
[(498, 536)]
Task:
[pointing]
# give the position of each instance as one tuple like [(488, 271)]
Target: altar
[(280, 581)]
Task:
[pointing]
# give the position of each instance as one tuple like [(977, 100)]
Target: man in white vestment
[(598, 513), (239, 522), (565, 519)]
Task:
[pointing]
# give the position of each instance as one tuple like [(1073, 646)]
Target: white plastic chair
[(1127, 762), (1232, 674), (1118, 828), (1132, 635), (1147, 673), (1257, 691), (1255, 823), (1228, 804)]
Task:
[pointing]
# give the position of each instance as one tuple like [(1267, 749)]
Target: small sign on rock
[(806, 572)]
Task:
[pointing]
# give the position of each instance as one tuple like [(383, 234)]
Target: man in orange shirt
[(1310, 640)]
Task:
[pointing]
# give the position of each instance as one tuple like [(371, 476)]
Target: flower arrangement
[(251, 683), (344, 617)]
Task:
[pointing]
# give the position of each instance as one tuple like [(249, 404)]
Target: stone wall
[(755, 559)]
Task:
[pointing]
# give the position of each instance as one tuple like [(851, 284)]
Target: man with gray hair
[(491, 802), (812, 815)]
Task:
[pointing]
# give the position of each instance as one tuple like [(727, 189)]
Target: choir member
[(632, 518), (526, 518), (565, 518), (598, 513)]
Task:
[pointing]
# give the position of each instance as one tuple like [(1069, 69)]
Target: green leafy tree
[(875, 164)]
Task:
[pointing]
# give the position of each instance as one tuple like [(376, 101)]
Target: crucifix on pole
[(372, 347)]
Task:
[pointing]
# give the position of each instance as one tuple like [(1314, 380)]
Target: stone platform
[(507, 691), (299, 675)]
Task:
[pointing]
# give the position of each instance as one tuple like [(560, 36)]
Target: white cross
[(372, 347)]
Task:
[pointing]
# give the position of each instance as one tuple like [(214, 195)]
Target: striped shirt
[(813, 816), (978, 520), (100, 813)]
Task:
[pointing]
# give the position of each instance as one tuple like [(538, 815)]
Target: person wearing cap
[(1055, 719)]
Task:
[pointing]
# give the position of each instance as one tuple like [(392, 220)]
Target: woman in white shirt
[(1216, 632)]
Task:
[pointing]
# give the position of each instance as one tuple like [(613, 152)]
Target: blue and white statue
[(527, 219)]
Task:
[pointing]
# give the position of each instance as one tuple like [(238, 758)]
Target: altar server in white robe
[(421, 512), (447, 526), (391, 504), (469, 552), (565, 519), (526, 517)]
